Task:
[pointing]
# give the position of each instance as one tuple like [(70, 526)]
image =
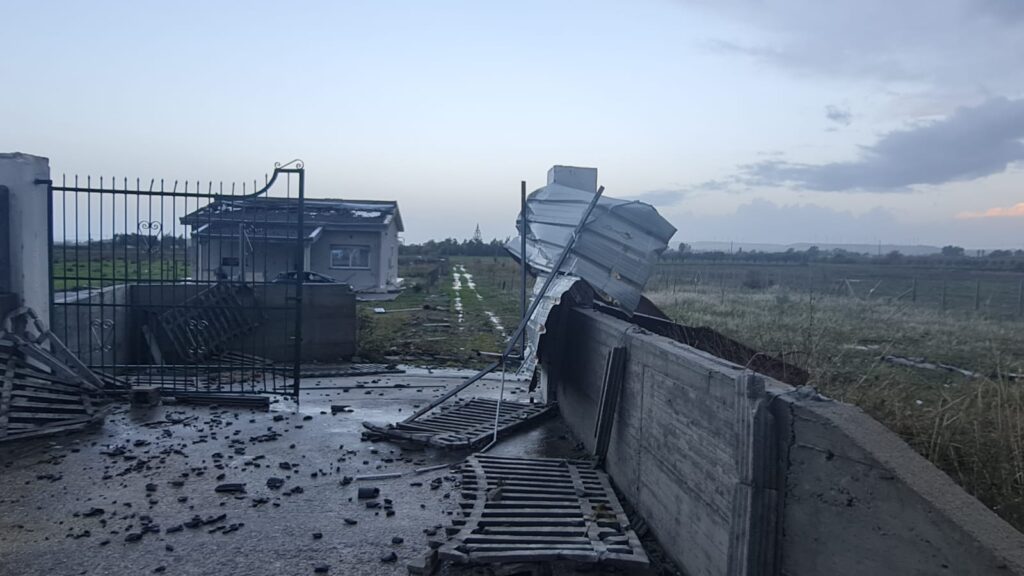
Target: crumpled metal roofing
[(617, 248)]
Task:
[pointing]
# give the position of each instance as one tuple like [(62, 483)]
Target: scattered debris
[(44, 388), (231, 488)]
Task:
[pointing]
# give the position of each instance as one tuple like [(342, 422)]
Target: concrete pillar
[(26, 178)]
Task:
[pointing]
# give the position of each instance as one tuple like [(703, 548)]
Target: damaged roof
[(617, 248), (317, 212)]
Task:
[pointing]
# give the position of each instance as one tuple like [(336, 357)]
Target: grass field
[(993, 294), (972, 428)]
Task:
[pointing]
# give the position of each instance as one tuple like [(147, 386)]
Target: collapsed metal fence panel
[(539, 510), (184, 285)]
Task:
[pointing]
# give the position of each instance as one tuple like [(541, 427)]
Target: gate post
[(27, 179)]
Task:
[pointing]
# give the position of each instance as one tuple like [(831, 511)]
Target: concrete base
[(144, 396)]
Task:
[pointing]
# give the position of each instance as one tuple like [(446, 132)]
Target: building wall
[(735, 478), (389, 256), (273, 258), (267, 261), (359, 279)]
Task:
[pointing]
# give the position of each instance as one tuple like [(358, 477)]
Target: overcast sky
[(759, 121)]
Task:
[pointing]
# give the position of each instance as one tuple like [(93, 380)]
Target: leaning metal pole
[(522, 260), (521, 329)]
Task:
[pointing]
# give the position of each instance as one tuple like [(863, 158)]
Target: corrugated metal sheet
[(535, 327), (617, 248)]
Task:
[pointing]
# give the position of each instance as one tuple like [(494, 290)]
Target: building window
[(350, 256)]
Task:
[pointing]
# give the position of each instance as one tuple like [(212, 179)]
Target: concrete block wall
[(735, 477), (94, 325)]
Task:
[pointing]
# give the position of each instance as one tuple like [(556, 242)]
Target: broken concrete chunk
[(368, 492), (231, 488)]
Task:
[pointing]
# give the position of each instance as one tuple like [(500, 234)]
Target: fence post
[(722, 281), (943, 295), (1020, 298), (977, 295), (913, 291)]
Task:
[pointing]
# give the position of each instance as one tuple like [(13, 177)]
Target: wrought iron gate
[(192, 287)]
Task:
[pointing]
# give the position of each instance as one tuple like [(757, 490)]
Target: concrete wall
[(25, 177), (742, 475), (94, 324)]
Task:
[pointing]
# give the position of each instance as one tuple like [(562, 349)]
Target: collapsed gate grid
[(184, 286)]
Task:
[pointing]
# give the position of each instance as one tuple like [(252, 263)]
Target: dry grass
[(971, 428)]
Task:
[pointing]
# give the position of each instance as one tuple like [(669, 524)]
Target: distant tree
[(1000, 254), (893, 257), (952, 251), (684, 248)]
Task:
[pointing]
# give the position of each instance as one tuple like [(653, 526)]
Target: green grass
[(74, 274)]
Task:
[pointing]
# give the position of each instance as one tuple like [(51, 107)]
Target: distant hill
[(916, 250)]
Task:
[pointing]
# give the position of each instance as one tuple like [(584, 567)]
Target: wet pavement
[(140, 494)]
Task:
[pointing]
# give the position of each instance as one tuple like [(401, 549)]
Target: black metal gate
[(188, 286)]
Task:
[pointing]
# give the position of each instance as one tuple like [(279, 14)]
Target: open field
[(992, 293), (424, 322)]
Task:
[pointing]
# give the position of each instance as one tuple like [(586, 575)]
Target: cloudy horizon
[(783, 122)]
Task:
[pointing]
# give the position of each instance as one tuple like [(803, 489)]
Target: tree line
[(948, 256)]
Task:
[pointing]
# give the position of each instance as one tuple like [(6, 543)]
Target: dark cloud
[(1011, 10), (971, 143), (838, 115), (949, 45)]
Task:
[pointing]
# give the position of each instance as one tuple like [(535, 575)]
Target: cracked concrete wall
[(734, 480)]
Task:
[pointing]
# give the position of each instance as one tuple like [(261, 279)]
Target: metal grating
[(539, 510), (204, 323), (462, 424)]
